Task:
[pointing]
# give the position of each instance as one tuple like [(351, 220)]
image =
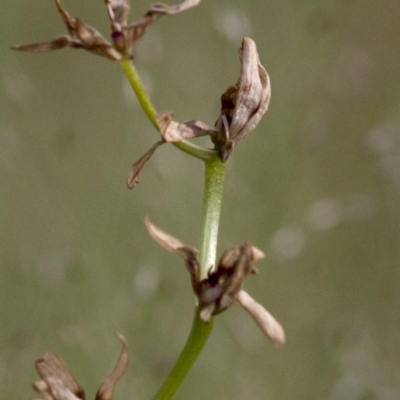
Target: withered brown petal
[(174, 9), (106, 390), (174, 245), (69, 21), (54, 371), (268, 324), (118, 11), (173, 131), (55, 44), (133, 175), (126, 35)]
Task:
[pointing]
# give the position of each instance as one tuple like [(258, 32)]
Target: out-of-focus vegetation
[(317, 186)]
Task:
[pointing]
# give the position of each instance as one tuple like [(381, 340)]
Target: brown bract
[(223, 284), (58, 383)]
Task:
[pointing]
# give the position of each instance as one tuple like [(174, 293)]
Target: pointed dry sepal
[(268, 324), (174, 245), (133, 175), (243, 104), (106, 390), (171, 131), (81, 36)]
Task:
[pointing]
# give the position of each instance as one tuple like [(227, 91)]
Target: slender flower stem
[(149, 109), (212, 198), (213, 189), (194, 344)]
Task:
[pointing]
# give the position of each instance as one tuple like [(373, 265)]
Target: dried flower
[(123, 35), (81, 36), (242, 107), (223, 286), (243, 104), (58, 383)]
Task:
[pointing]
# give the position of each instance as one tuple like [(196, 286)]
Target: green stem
[(194, 344), (213, 189), (149, 109), (140, 91), (212, 199)]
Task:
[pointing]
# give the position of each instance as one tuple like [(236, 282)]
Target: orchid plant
[(216, 285)]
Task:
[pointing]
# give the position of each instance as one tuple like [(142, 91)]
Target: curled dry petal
[(243, 104), (174, 245), (133, 175), (106, 390), (57, 381), (175, 9), (118, 11), (173, 131), (57, 43), (268, 324)]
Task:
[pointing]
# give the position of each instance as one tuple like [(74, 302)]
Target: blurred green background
[(316, 186)]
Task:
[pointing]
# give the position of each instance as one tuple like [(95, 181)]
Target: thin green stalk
[(212, 199), (194, 344), (213, 189), (149, 109), (214, 182)]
